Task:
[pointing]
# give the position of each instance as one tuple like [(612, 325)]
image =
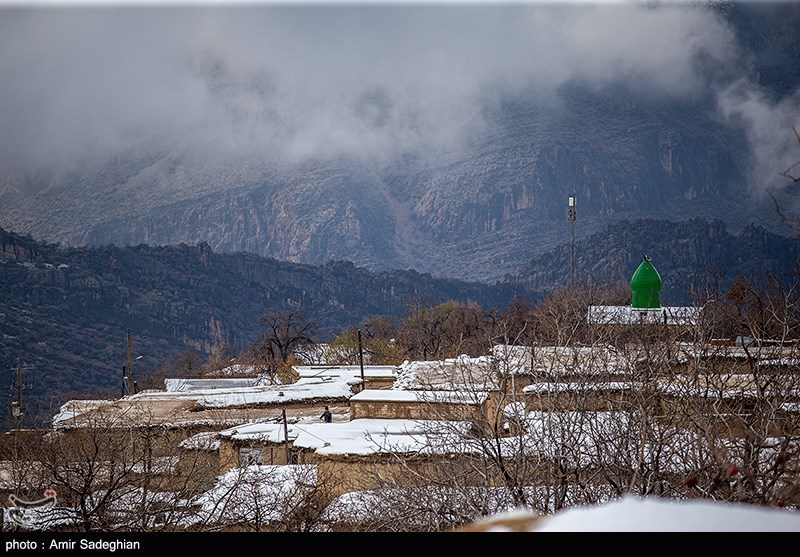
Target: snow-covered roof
[(350, 372), (721, 386), (74, 408), (237, 369), (511, 359), (432, 396), (787, 362), (767, 354), (178, 385), (377, 436), (626, 315), (271, 432), (583, 438), (176, 407), (541, 388), (204, 441), (790, 406), (447, 373), (365, 436), (305, 389), (514, 410), (255, 493), (558, 360)]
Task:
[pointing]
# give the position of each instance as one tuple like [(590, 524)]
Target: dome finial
[(645, 286)]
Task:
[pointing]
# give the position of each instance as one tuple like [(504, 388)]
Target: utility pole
[(130, 362), (572, 215), (286, 437), (361, 357), (15, 407), (19, 395), (124, 382)]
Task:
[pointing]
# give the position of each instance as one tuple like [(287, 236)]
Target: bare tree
[(446, 330), (286, 331)]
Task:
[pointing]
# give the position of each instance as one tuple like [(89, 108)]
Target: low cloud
[(290, 83), (767, 123)]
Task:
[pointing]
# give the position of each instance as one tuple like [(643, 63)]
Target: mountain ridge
[(65, 310)]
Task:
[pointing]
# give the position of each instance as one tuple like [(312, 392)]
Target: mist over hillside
[(259, 129)]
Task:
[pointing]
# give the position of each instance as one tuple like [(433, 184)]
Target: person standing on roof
[(326, 415)]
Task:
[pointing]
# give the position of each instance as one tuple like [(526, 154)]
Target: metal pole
[(361, 356), (572, 252), (572, 214)]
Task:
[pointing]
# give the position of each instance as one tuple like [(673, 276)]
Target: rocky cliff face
[(475, 213)]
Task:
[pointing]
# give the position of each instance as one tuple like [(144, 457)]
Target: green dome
[(646, 286)]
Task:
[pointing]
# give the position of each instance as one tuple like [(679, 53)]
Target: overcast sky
[(291, 83)]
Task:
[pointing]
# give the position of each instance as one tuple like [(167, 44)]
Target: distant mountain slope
[(474, 210), (685, 253), (474, 213), (65, 311)]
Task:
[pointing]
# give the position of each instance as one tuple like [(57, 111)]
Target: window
[(248, 456)]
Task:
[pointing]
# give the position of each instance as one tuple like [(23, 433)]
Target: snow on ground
[(652, 514)]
